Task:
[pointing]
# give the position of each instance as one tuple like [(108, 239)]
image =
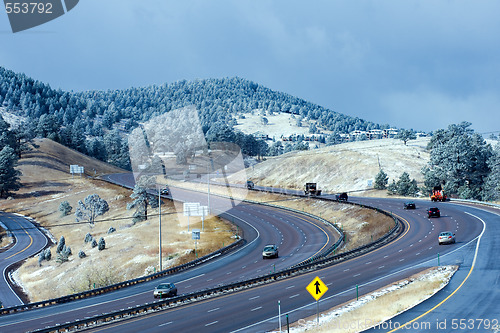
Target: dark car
[(165, 290), (270, 251), (250, 185), (341, 197), (409, 205), (165, 191), (433, 212)]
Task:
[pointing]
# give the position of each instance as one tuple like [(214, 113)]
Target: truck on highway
[(311, 189), (342, 196), (437, 194)]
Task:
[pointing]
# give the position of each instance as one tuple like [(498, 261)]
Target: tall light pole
[(159, 227)]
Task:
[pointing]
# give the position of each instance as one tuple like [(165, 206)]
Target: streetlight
[(159, 227)]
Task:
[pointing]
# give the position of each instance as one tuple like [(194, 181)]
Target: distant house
[(391, 133), (260, 136), (375, 134)]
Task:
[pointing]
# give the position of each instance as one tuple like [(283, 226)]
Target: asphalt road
[(470, 302), (299, 238), (256, 310), (29, 241)]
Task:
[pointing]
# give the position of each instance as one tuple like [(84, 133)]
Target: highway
[(256, 309), (470, 302), (29, 241), (299, 237)]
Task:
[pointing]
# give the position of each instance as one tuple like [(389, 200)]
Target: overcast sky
[(411, 64)]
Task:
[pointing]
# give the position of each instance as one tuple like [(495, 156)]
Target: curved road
[(255, 310), (301, 237), (29, 241)]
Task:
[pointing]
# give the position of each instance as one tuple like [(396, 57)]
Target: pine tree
[(142, 199), (381, 180), (9, 176)]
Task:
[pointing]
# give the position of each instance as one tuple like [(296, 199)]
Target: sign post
[(317, 289), (195, 235)]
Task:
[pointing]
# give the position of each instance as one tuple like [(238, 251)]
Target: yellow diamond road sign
[(317, 288)]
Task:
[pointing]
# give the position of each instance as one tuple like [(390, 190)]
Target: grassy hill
[(345, 167), (129, 252)]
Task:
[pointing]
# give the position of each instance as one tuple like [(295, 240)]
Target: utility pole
[(159, 227)]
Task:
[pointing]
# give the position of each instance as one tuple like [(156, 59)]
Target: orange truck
[(438, 194)]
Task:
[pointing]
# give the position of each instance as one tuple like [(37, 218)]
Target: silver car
[(270, 251), (446, 237), (165, 290)]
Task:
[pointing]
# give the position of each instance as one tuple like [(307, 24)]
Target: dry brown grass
[(131, 251), (360, 225), (343, 168), (380, 305), (4, 240)]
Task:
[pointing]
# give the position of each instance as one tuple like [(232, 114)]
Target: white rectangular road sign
[(191, 209)]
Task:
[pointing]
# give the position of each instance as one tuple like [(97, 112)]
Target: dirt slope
[(345, 167)]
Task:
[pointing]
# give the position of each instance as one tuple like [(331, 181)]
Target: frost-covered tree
[(492, 184), (405, 186), (142, 199), (92, 207), (9, 176), (381, 180), (406, 135), (65, 208), (102, 244), (61, 244), (458, 161)]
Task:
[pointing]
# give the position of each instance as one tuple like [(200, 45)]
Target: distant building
[(391, 133)]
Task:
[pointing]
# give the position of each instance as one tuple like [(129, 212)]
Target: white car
[(446, 237), (270, 251)]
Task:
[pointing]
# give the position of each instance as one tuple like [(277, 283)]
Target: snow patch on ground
[(443, 274)]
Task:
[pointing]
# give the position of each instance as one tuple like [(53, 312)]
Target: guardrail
[(489, 204), (123, 284), (232, 287)]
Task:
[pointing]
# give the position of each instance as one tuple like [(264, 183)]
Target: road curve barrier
[(303, 268), (99, 291)]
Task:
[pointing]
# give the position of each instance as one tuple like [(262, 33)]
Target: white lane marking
[(289, 287), (356, 275), (194, 277), (381, 278), (165, 324), (345, 270), (417, 254), (214, 322), (260, 307), (294, 295), (400, 250), (255, 297), (381, 267), (401, 259), (369, 262), (386, 257), (213, 310), (46, 322)]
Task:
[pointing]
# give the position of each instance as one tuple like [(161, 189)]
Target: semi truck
[(311, 189)]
